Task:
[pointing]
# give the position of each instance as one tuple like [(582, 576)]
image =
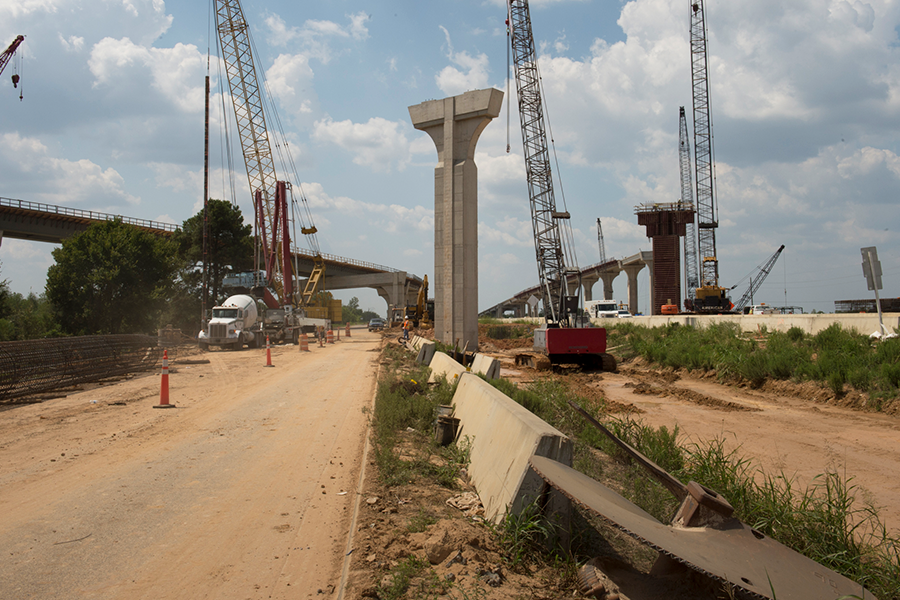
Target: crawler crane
[(558, 340), (709, 296)]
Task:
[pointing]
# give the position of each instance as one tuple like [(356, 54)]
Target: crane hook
[(15, 80)]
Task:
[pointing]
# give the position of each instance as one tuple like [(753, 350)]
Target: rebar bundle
[(35, 366)]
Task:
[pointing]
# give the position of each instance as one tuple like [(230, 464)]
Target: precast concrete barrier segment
[(36, 366), (442, 365), (504, 436), (487, 366)]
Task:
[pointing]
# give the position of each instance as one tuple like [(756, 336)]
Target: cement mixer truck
[(233, 324), (238, 321)]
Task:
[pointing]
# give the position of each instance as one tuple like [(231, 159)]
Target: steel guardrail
[(85, 214)]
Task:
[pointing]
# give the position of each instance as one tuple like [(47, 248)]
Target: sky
[(805, 101)]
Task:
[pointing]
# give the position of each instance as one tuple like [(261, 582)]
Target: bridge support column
[(632, 272), (455, 124), (607, 278), (394, 291), (587, 284)]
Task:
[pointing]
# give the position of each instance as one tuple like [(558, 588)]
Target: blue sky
[(805, 98)]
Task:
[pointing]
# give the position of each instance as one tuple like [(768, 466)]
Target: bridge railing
[(85, 214), (345, 260)]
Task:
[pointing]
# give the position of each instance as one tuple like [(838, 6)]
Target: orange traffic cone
[(164, 384), (304, 343), (348, 329), (268, 354), (329, 337)]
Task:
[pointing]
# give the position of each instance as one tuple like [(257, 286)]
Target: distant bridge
[(33, 221), (587, 277)]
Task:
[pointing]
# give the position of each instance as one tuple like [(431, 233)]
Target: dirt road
[(245, 490)]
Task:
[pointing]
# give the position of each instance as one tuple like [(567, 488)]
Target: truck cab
[(231, 325)]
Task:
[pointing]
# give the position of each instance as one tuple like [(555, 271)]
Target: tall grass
[(403, 401), (823, 520), (834, 357)]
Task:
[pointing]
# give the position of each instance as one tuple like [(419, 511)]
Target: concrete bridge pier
[(607, 278), (632, 272), (587, 284), (455, 124)]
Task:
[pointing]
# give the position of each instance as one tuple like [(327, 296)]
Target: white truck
[(232, 325), (603, 309), (237, 322)]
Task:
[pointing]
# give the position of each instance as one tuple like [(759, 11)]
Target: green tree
[(111, 278), (229, 247)]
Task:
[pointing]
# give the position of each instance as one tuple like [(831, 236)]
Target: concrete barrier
[(426, 352), (504, 435), (812, 324), (487, 366), (442, 365)]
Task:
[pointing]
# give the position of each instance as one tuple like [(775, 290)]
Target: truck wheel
[(238, 345), (296, 337)]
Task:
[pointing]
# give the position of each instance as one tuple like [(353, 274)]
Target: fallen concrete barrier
[(504, 436)]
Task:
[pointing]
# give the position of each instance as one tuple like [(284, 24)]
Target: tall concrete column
[(632, 272), (455, 124), (607, 278)]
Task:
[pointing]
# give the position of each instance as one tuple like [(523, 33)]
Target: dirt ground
[(799, 431), (245, 490), (255, 485)]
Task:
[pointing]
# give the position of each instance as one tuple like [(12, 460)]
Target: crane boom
[(760, 278), (546, 220), (8, 53), (600, 241), (271, 204), (709, 294), (692, 280)]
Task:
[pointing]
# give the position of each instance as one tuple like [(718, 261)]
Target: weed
[(522, 534), (421, 521), (402, 577)]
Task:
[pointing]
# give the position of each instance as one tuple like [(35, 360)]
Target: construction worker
[(406, 326)]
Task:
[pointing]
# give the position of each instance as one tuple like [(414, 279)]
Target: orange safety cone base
[(268, 354), (164, 384)]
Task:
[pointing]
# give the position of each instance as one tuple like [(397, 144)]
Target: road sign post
[(872, 271)]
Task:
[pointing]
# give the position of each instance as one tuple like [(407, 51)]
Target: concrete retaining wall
[(504, 435)]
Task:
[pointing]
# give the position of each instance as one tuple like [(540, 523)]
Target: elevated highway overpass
[(33, 221), (586, 278)]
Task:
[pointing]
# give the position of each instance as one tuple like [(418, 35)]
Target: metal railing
[(85, 214), (37, 366), (344, 260)]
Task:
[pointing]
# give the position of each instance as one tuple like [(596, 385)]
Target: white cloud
[(474, 74), (379, 144), (171, 71), (290, 79), (315, 36), (61, 181), (389, 218), (71, 44)]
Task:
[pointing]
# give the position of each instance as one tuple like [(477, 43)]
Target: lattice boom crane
[(271, 204), (710, 297), (560, 339)]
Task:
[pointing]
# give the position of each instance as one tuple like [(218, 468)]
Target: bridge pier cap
[(455, 124)]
